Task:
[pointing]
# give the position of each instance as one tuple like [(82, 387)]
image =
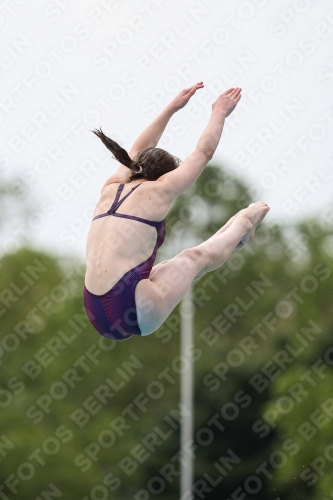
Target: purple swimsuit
[(113, 314)]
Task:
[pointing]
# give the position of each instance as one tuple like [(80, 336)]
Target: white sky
[(68, 66)]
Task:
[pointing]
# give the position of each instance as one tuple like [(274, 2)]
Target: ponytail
[(149, 163), (118, 152)]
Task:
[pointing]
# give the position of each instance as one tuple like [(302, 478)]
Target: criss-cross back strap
[(118, 193), (118, 202)]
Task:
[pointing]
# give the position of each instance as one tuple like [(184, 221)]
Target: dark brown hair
[(154, 162)]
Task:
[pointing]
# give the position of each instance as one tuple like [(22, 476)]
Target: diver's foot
[(255, 212)]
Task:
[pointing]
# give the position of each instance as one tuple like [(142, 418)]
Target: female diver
[(124, 294)]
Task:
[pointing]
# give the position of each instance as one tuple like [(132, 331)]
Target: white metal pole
[(186, 397)]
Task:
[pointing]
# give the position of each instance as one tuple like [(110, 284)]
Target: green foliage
[(95, 419)]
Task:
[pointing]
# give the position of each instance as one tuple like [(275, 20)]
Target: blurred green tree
[(88, 418)]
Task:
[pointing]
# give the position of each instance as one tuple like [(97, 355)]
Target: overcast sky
[(68, 66)]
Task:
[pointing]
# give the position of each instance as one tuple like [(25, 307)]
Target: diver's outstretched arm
[(180, 179), (152, 134)]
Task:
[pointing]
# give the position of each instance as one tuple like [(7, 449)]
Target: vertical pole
[(186, 397)]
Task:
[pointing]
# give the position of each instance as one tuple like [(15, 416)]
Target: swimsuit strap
[(115, 201), (118, 202), (159, 225)]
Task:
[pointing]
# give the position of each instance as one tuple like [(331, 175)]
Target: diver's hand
[(227, 101), (184, 96)]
